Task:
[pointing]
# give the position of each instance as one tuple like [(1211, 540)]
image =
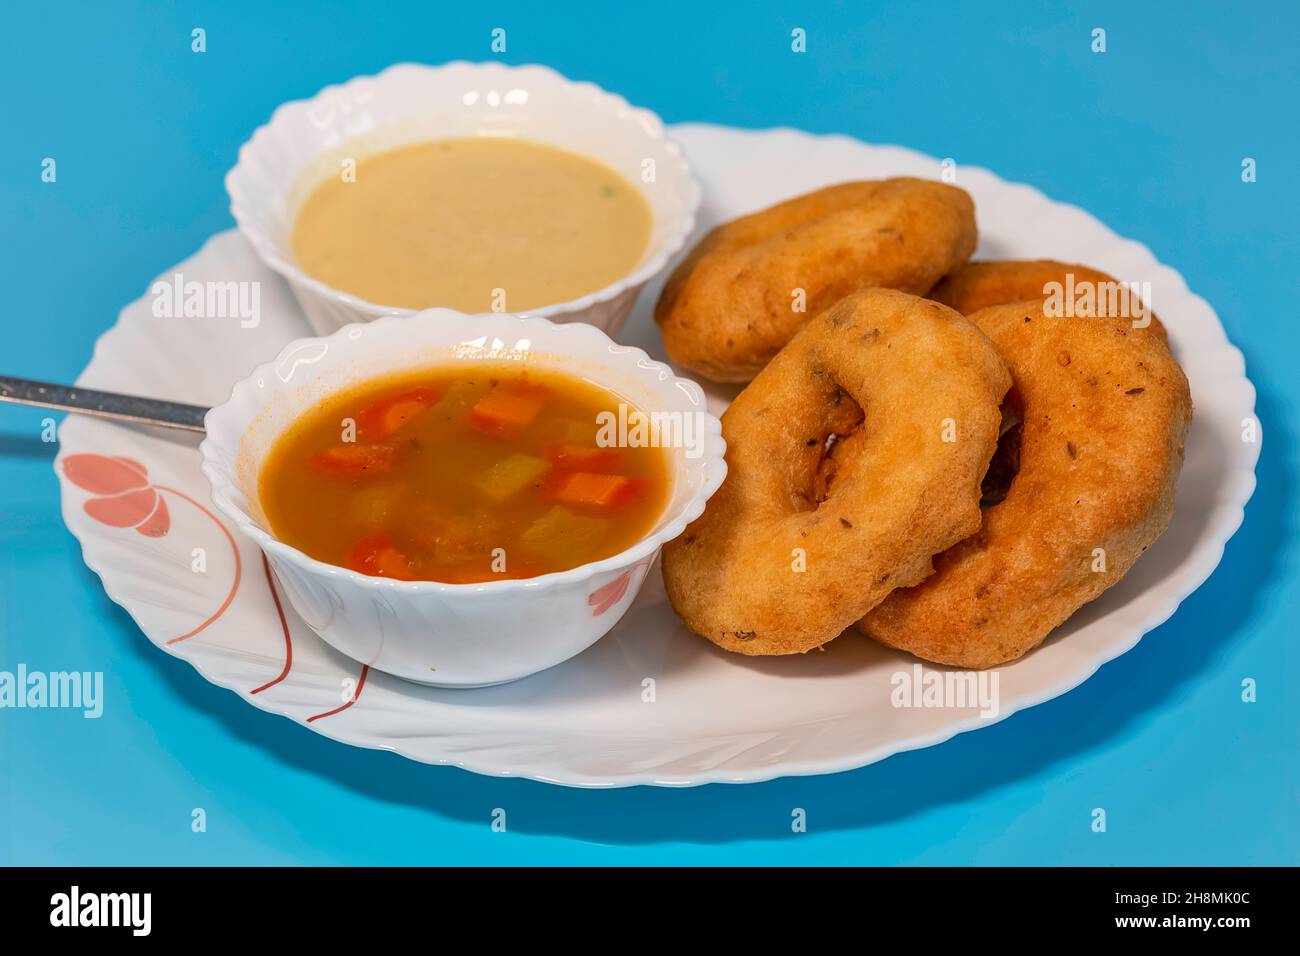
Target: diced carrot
[(386, 416), (375, 555), (505, 412), (353, 461), (592, 489), (578, 458)]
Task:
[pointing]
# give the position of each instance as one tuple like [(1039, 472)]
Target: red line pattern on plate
[(239, 568), (361, 682), (284, 626)]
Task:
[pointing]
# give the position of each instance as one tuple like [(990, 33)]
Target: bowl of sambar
[(462, 500)]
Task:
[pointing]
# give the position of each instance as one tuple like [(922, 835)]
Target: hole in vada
[(844, 419), (1005, 463)]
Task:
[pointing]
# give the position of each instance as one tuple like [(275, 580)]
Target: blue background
[(1148, 136)]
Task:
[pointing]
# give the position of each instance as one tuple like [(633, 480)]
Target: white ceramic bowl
[(454, 635), (304, 140)]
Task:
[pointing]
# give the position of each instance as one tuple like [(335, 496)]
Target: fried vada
[(1104, 410), (752, 283), (1083, 291), (853, 458)]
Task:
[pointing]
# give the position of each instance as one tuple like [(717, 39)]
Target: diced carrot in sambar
[(505, 412), (353, 461), (511, 475), (591, 489), (375, 555), (386, 416), (579, 458)]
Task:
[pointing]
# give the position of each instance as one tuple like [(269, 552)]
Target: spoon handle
[(85, 401)]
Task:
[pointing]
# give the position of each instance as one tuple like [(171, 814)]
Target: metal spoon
[(85, 401)]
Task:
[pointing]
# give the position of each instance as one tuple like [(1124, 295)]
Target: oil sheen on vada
[(1104, 409), (853, 457), (752, 283)]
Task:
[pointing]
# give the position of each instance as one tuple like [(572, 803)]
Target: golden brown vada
[(978, 285), (752, 283), (853, 458), (1104, 411)]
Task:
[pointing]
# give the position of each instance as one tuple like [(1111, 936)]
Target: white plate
[(714, 716)]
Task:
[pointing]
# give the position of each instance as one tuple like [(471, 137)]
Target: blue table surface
[(1149, 136)]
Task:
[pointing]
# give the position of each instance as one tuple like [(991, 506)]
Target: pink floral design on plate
[(124, 497)]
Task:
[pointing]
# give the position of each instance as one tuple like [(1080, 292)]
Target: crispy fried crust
[(1105, 410), (895, 376), (730, 305), (978, 285)]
